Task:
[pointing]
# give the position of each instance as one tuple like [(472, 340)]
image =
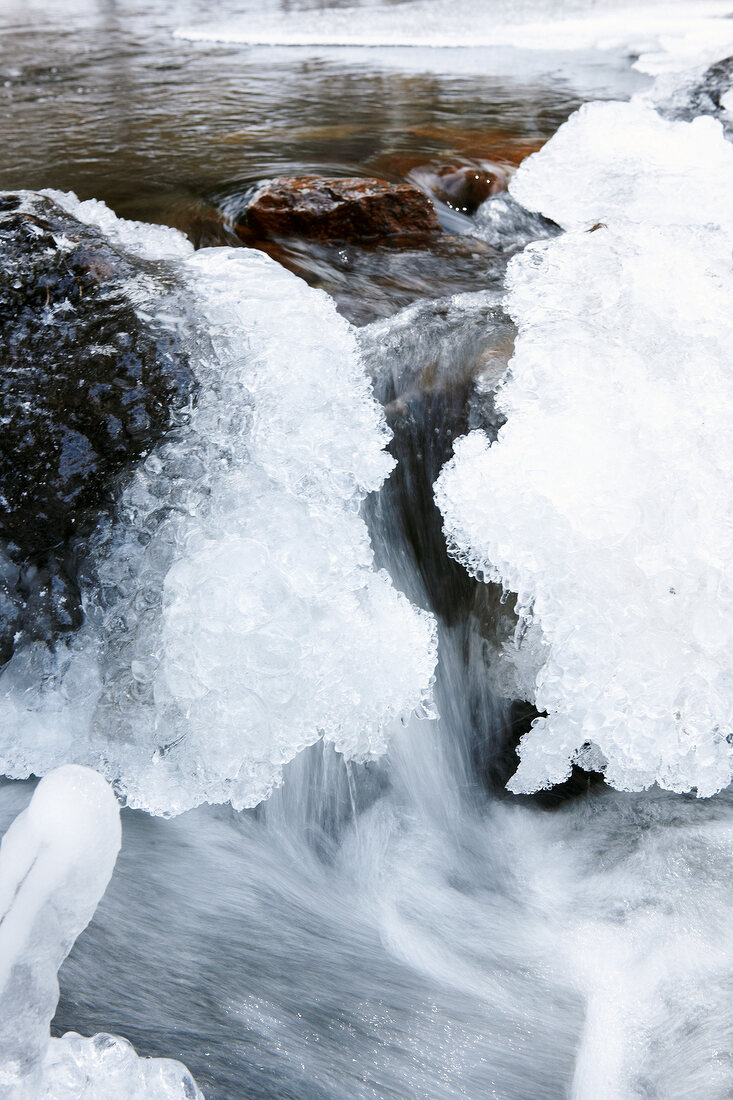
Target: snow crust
[(233, 614), (606, 501), (55, 862)]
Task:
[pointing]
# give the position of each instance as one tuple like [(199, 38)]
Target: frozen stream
[(335, 894)]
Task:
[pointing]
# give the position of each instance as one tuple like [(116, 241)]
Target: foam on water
[(233, 614), (605, 503)]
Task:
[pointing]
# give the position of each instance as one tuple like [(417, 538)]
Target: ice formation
[(55, 862), (233, 614), (656, 28), (606, 503), (106, 1067)]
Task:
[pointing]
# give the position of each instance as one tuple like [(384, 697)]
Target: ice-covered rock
[(55, 862), (233, 614), (606, 503), (89, 379)]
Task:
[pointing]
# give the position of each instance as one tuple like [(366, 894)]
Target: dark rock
[(702, 95), (340, 210), (86, 387), (461, 187), (706, 95)]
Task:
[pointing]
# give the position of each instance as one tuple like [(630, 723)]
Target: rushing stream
[(304, 632)]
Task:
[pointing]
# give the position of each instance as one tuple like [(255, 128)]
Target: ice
[(621, 162), (106, 1067), (233, 612), (605, 503), (650, 29), (55, 862)]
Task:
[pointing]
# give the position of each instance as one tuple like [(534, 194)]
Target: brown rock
[(340, 209), (462, 187)]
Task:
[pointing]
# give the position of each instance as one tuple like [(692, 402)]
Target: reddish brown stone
[(340, 209)]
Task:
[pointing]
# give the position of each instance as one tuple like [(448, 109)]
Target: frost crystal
[(606, 501), (233, 613)]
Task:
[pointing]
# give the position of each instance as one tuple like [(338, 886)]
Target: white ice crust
[(606, 502), (660, 33), (235, 615), (55, 862)]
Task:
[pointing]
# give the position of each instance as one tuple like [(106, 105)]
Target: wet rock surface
[(370, 280), (462, 187), (707, 94), (339, 210), (87, 386)]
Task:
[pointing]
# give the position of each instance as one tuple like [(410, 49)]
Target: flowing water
[(401, 927)]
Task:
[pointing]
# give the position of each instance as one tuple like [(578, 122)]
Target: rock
[(366, 210), (86, 387), (463, 187), (707, 94)]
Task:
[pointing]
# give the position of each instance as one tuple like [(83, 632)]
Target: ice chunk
[(606, 503), (233, 611), (55, 862), (614, 161), (106, 1067)]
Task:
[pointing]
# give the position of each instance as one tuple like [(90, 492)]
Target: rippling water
[(101, 99)]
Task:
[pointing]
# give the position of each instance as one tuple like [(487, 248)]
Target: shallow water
[(99, 98), (403, 928)]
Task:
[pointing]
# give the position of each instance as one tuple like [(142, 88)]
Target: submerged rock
[(462, 187), (87, 385), (340, 209)]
